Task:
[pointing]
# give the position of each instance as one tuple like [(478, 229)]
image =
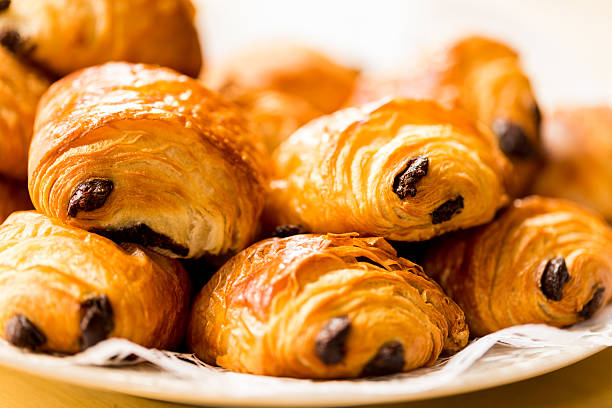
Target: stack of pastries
[(297, 179)]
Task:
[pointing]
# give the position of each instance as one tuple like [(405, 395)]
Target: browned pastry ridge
[(578, 146), (485, 78), (323, 306), (63, 289), (142, 154), (65, 35), (542, 260), (20, 89), (283, 86), (401, 169)]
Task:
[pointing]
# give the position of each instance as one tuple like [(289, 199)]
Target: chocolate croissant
[(20, 89), (485, 78), (142, 154), (13, 197), (402, 169), (323, 306), (542, 261), (283, 87), (578, 146), (65, 35), (63, 289)]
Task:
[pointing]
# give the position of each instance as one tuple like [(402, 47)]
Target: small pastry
[(20, 89), (283, 87), (63, 289), (13, 197), (578, 146), (402, 169), (542, 260), (323, 306), (65, 35), (142, 154), (485, 78)]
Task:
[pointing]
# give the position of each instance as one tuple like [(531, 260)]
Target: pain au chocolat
[(142, 154), (63, 289), (62, 36), (323, 306), (283, 86), (484, 77), (406, 170), (21, 86), (542, 260)]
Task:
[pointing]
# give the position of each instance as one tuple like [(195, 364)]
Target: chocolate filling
[(89, 195), (284, 231), (593, 305), (143, 235), (404, 184), (388, 360), (96, 320), (512, 139), (554, 277), (330, 343), (4, 4), (21, 332), (447, 210), (12, 41)]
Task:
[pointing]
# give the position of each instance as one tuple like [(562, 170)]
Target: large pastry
[(402, 169), (484, 77), (63, 289), (21, 87), (142, 154), (283, 87), (323, 306), (578, 147), (542, 261), (64, 35)]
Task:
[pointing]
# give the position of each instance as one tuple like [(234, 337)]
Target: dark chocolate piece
[(512, 139), (404, 184), (89, 195), (447, 210), (96, 320), (284, 231), (4, 4), (330, 344), (12, 41), (594, 304), (22, 333), (388, 360), (368, 260), (554, 277), (143, 235)]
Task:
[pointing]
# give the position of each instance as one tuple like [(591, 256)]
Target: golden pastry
[(65, 35), (283, 87), (20, 89), (402, 169), (578, 146), (323, 306), (485, 78), (13, 197), (63, 289), (142, 154), (541, 261)]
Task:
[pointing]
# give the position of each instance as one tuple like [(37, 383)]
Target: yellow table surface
[(584, 384)]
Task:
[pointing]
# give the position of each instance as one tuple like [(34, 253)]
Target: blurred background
[(565, 44)]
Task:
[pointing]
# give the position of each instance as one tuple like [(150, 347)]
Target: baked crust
[(272, 309), (541, 261)]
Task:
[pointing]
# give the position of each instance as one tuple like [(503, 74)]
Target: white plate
[(500, 365)]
